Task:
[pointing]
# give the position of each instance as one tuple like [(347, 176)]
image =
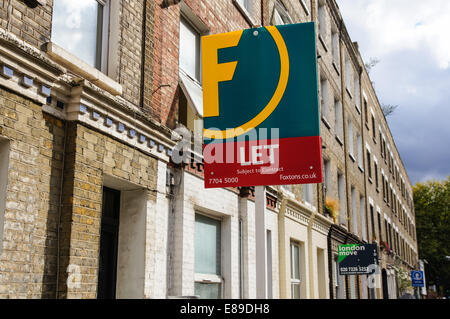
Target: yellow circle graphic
[(274, 101)]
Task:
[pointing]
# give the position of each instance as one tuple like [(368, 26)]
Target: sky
[(411, 40)]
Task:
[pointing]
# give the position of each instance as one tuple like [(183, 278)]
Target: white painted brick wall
[(192, 197), (156, 239)]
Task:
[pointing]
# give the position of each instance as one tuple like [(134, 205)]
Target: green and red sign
[(261, 111)]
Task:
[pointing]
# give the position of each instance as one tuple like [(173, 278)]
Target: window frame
[(308, 194), (198, 51), (335, 48), (357, 91), (102, 35), (246, 10), (324, 100), (327, 174), (360, 151), (295, 281), (369, 165), (322, 23), (351, 142), (338, 120), (211, 278)]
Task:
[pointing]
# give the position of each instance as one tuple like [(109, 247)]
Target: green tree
[(432, 203)]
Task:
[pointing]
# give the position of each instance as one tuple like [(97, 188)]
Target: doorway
[(385, 284), (109, 235)]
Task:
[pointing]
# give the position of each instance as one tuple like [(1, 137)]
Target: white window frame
[(295, 281), (324, 98), (351, 146), (338, 120), (191, 85), (348, 75), (360, 151), (357, 92), (212, 278), (308, 194), (335, 271), (198, 69), (335, 48)]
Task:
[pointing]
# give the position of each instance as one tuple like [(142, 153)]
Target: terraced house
[(93, 97)]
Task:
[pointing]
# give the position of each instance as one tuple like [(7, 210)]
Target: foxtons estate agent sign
[(357, 259), (260, 104)]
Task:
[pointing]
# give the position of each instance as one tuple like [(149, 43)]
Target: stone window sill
[(79, 67), (323, 43), (336, 68), (352, 157), (325, 121), (339, 139), (349, 93)]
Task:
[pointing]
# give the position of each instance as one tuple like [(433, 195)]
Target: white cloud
[(410, 38), (395, 25)]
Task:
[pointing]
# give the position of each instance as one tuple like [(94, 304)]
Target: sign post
[(261, 110)]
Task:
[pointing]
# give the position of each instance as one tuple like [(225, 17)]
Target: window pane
[(278, 19), (308, 193), (189, 50), (207, 245), (207, 291), (295, 261), (75, 27)]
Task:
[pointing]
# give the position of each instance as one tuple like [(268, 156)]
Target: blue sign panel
[(417, 278)]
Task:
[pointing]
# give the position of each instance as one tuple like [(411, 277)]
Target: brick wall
[(130, 49), (91, 155), (28, 259), (31, 25)]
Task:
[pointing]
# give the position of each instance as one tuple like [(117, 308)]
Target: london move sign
[(260, 107), (358, 259)]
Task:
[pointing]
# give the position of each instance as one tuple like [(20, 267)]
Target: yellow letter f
[(213, 72)]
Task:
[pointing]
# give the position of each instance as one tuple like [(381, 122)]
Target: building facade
[(95, 97)]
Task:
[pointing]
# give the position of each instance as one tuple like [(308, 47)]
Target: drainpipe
[(60, 210)]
